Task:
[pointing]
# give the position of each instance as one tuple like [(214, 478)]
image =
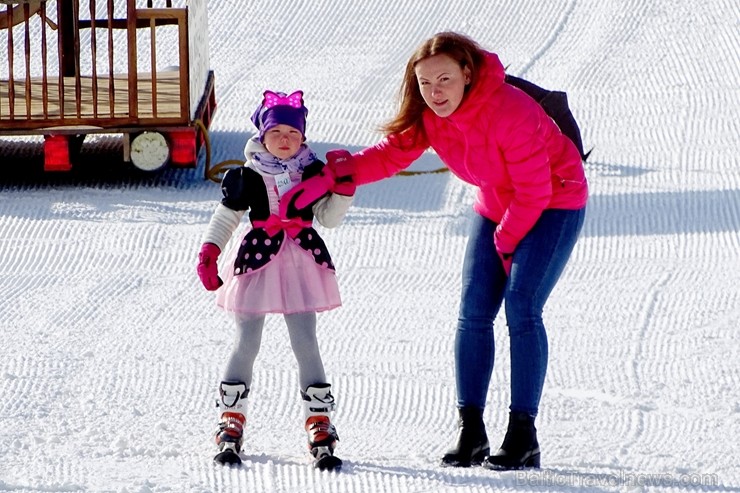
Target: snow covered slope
[(111, 351)]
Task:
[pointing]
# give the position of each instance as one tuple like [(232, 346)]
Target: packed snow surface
[(111, 350)]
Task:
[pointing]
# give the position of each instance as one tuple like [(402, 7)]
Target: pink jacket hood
[(500, 140)]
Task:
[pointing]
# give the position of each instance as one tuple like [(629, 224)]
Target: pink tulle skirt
[(292, 282)]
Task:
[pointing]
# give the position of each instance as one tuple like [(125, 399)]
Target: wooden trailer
[(138, 68)]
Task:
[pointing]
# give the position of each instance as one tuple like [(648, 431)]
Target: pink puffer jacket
[(500, 140)]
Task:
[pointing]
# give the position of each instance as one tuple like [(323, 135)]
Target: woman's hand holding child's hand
[(336, 177), (208, 268), (342, 165), (306, 193)]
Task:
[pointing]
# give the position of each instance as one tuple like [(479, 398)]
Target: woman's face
[(442, 83), (283, 141)]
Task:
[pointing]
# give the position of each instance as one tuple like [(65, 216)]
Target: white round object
[(149, 151)]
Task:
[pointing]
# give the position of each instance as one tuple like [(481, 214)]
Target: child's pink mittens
[(208, 268)]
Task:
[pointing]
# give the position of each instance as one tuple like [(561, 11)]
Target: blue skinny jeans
[(537, 264)]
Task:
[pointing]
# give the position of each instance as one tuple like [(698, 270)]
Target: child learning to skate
[(281, 266)]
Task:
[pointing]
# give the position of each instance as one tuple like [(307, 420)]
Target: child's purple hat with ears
[(279, 108)]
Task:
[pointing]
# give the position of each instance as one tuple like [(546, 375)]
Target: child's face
[(283, 141)]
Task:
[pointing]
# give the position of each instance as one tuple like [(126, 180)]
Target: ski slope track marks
[(111, 351)]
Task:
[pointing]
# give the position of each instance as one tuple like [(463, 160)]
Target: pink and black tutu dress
[(281, 265)]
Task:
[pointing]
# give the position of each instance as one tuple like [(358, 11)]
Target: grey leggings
[(302, 332)]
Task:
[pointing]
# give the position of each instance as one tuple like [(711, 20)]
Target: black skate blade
[(328, 463), (227, 457)]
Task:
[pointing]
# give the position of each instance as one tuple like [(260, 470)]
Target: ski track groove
[(113, 340), (550, 40)]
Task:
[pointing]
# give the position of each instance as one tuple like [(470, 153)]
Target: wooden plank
[(27, 50), (168, 102), (11, 65), (132, 62), (153, 63), (61, 56), (94, 57), (161, 14), (44, 63), (76, 51), (184, 63), (111, 89), (123, 23)]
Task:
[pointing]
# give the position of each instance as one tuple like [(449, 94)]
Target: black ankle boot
[(472, 442), (520, 448)]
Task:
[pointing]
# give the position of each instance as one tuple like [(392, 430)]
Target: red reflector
[(56, 153), (183, 148)]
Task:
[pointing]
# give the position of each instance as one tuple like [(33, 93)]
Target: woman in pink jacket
[(530, 208)]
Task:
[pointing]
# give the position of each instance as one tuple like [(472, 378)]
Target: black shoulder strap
[(555, 104)]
